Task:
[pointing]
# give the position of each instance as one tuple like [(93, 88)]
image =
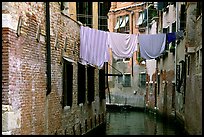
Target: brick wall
[(24, 73)]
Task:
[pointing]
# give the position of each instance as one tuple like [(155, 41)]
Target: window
[(125, 26), (172, 48), (67, 83), (103, 9), (118, 60), (124, 60), (120, 79), (127, 59), (84, 13), (122, 24), (127, 80), (166, 30), (81, 83), (90, 81), (152, 13), (183, 17), (102, 83), (199, 9), (64, 7), (142, 20), (142, 79), (151, 87)]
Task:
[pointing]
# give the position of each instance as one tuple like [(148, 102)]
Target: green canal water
[(137, 122), (134, 121)]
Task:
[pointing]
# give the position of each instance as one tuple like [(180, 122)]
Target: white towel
[(93, 47)]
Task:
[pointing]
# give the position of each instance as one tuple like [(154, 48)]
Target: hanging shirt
[(122, 45), (171, 37), (151, 45), (93, 47)]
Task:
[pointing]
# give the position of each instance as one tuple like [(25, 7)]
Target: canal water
[(124, 121)]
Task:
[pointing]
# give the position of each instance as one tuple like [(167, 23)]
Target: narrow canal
[(131, 121), (137, 122)]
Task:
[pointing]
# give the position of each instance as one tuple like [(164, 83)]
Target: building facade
[(45, 88), (126, 76), (173, 91), (189, 58)]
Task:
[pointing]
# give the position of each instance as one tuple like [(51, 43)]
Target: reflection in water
[(139, 123)]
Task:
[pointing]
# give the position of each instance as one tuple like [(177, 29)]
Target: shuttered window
[(67, 83)]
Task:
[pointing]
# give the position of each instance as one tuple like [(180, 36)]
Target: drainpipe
[(132, 12), (176, 45), (48, 48), (175, 56)]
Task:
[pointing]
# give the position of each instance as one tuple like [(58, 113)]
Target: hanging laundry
[(171, 37), (122, 45), (93, 47), (151, 45)]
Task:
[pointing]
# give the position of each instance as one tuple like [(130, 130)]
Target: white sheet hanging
[(93, 46), (122, 45), (151, 45)]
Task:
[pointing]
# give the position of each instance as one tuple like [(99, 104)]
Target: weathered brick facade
[(26, 107)]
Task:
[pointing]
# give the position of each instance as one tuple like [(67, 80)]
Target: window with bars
[(67, 83), (84, 13), (127, 80), (81, 77), (103, 9)]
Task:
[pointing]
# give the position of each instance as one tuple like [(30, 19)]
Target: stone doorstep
[(10, 120), (6, 133)]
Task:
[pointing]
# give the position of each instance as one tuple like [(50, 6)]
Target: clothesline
[(95, 45)]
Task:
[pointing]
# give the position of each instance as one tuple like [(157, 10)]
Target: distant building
[(128, 88)]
